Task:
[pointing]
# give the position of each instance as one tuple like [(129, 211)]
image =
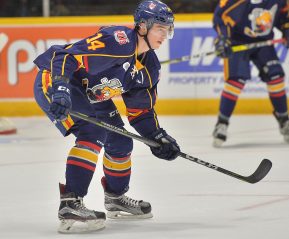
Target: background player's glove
[(169, 148), (286, 37), (59, 94), (223, 46)]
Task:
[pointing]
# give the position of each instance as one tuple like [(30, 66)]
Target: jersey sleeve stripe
[(150, 79), (51, 63), (227, 19), (151, 100), (63, 64)]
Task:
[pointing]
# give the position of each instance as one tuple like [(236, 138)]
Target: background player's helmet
[(154, 11)]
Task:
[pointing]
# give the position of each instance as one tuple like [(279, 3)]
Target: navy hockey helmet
[(154, 11)]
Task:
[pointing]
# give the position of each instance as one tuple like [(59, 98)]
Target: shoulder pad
[(118, 40)]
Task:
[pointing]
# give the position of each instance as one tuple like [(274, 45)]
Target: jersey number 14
[(94, 43)]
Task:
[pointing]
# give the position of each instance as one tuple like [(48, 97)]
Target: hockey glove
[(169, 148), (59, 94), (286, 37), (223, 46)]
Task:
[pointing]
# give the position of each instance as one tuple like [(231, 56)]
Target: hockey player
[(84, 76), (7, 127), (245, 21)]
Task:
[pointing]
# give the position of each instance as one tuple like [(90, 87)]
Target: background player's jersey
[(250, 20), (106, 65)]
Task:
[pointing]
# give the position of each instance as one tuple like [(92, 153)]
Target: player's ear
[(142, 28)]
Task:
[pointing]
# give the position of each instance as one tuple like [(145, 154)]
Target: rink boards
[(191, 87)]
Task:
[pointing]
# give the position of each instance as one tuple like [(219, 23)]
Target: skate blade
[(127, 216), (217, 143), (73, 226)]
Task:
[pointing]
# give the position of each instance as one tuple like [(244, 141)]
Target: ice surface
[(188, 200)]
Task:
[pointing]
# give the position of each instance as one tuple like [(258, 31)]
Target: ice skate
[(75, 217), (220, 134), (283, 126), (124, 207)]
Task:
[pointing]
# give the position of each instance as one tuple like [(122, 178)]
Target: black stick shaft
[(250, 179)]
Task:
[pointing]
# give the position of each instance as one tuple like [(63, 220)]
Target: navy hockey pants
[(90, 139), (237, 70)]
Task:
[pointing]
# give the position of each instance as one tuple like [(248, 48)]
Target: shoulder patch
[(121, 37)]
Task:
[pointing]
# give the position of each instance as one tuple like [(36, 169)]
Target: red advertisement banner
[(19, 46)]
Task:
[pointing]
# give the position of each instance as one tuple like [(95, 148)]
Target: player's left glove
[(223, 46), (169, 148), (286, 37), (59, 94)]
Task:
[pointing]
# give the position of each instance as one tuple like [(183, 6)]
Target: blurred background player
[(241, 22), (7, 127), (84, 76)]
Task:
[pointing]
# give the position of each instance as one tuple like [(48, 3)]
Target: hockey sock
[(230, 94), (80, 167), (277, 94), (117, 172)]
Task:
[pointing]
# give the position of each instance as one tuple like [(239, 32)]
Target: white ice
[(188, 199)]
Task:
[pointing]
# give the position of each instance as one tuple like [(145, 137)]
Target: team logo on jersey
[(261, 22), (140, 79), (121, 37), (126, 65), (104, 91), (137, 74), (134, 71)]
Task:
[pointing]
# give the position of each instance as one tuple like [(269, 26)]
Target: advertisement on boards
[(197, 78), (202, 77), (22, 45)]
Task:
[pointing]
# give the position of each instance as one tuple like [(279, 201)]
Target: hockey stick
[(234, 49), (262, 170)]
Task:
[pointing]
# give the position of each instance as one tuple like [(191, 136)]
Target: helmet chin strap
[(145, 37), (147, 41)]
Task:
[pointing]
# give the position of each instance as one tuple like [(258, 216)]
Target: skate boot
[(220, 134), (283, 121), (124, 207), (75, 217)]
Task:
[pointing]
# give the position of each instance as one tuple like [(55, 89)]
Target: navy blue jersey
[(106, 65), (250, 20)]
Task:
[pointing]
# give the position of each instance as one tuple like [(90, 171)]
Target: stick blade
[(263, 169)]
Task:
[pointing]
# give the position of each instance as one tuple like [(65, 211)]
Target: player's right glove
[(286, 37), (223, 46), (169, 148), (59, 94)]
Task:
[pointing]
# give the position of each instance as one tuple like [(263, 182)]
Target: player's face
[(157, 35)]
